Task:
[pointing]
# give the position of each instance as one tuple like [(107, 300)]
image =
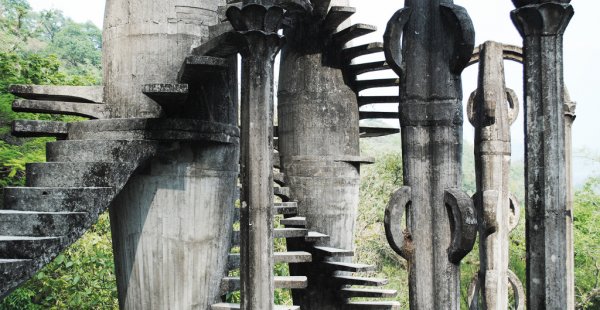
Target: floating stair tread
[(223, 45), (348, 34), (314, 236), (373, 132), (286, 208), (372, 305), (196, 68), (357, 69), (59, 93), (91, 110), (57, 199), (167, 95), (336, 16), (349, 280), (360, 50), (34, 129), (279, 257), (376, 83), (294, 221), (379, 115), (281, 191), (279, 178), (228, 306), (364, 100), (367, 293), (333, 252), (277, 233), (351, 267), (230, 284)]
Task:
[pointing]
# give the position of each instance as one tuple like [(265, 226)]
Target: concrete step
[(35, 129), (83, 109), (376, 83), (227, 306), (231, 284), (374, 132), (294, 221), (12, 271), (332, 252), (100, 150), (357, 69), (282, 192), (17, 247), (223, 45), (276, 160), (314, 236), (349, 280), (168, 96), (276, 143), (348, 34), (335, 17), (195, 69), (379, 115), (279, 257), (40, 224), (59, 93), (372, 305), (85, 174), (367, 293), (277, 233), (350, 267), (348, 54), (286, 208), (57, 199), (365, 100), (279, 178)]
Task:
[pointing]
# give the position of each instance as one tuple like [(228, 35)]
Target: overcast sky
[(492, 22)]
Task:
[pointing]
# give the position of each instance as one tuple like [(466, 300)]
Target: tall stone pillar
[(542, 25), (428, 44), (319, 147), (171, 224)]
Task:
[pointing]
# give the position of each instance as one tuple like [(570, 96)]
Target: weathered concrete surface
[(542, 25), (492, 109), (171, 226), (428, 44), (90, 94), (318, 127), (91, 110), (145, 42), (258, 23)]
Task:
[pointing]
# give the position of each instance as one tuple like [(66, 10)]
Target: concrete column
[(318, 133), (428, 44), (542, 25), (171, 224), (257, 23), (570, 116)]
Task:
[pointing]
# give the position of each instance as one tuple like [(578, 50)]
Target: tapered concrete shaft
[(318, 137), (492, 109), (171, 223), (542, 25), (258, 60), (428, 44)]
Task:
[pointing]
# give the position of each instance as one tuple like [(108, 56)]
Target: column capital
[(542, 18)]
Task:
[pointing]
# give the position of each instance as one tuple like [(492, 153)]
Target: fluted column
[(542, 25)]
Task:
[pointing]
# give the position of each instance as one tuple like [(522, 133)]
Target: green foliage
[(82, 277), (587, 245)]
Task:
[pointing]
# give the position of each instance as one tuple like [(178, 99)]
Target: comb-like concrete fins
[(34, 129)]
